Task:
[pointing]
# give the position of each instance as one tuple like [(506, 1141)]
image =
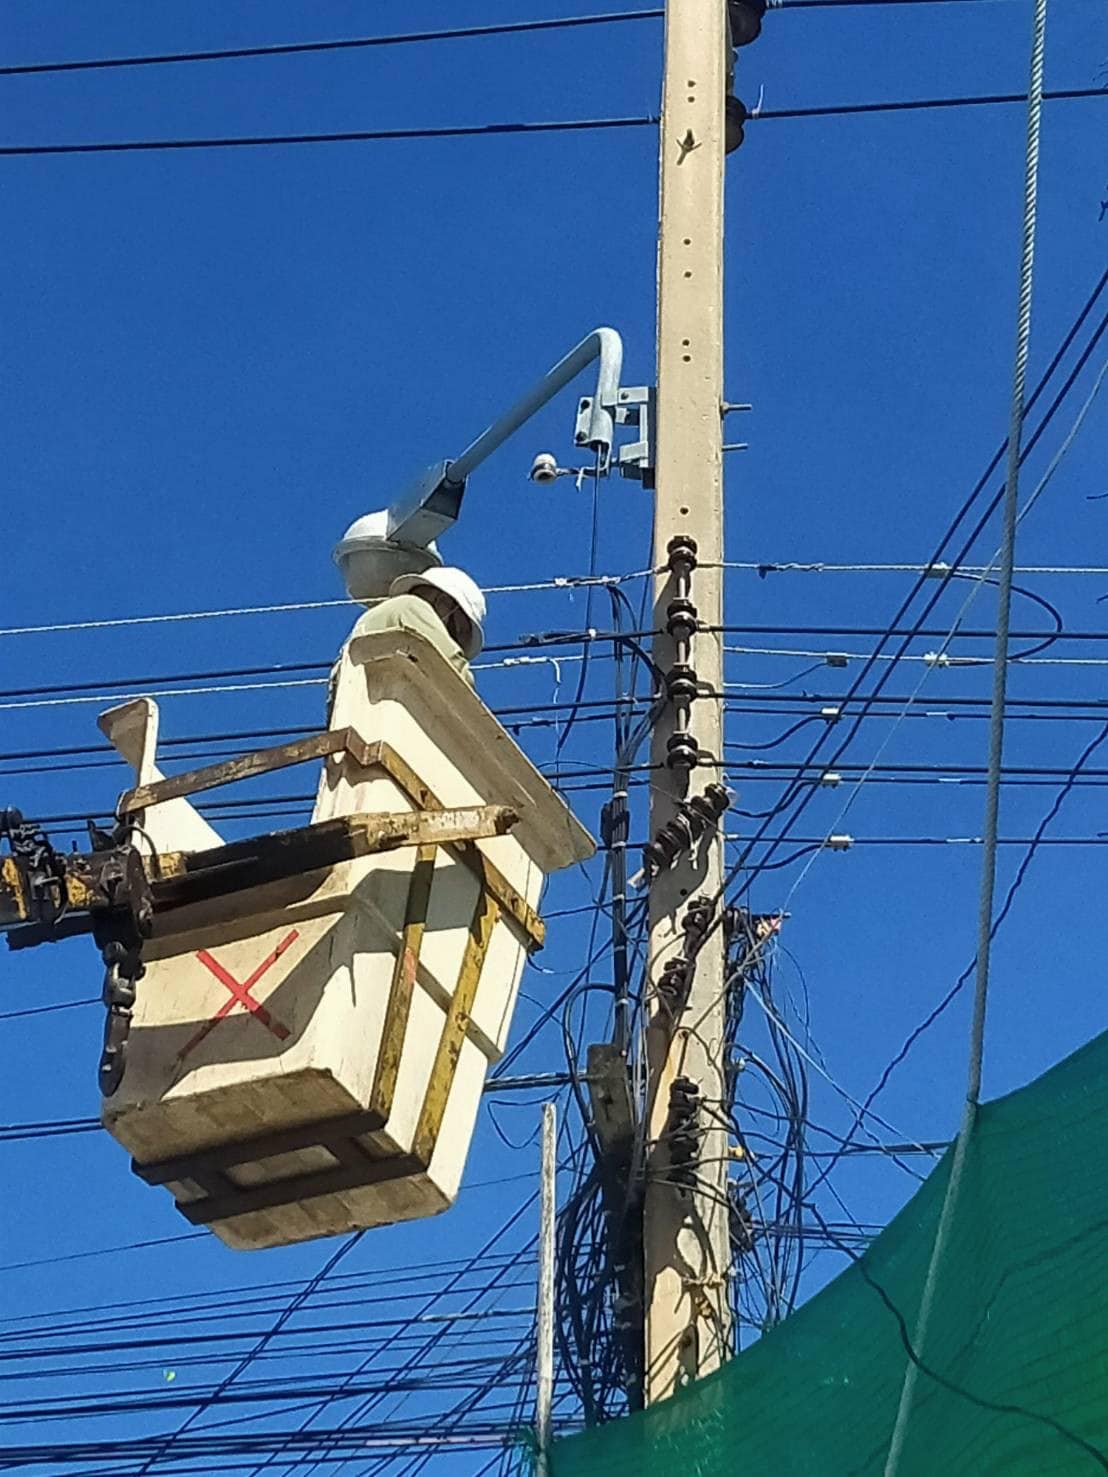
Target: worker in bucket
[(442, 605)]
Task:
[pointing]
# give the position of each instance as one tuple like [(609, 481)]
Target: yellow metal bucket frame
[(358, 1164)]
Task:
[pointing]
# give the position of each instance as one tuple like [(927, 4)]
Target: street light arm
[(604, 344), (433, 502)]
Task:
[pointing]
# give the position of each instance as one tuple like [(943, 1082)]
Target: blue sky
[(213, 360)]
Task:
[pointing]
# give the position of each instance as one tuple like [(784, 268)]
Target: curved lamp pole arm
[(433, 502)]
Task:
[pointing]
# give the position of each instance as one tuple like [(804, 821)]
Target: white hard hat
[(465, 593)]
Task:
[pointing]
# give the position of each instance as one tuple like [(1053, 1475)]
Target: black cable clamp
[(694, 817), (43, 868), (615, 822), (120, 931), (696, 922), (677, 972), (741, 1221), (683, 1133)]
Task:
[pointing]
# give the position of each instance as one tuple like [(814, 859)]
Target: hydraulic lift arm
[(118, 887)]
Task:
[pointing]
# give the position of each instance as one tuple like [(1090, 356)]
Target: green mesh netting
[(1020, 1321)]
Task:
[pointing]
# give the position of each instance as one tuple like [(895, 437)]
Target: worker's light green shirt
[(410, 613)]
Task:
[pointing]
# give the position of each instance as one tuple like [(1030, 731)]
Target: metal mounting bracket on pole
[(635, 408)]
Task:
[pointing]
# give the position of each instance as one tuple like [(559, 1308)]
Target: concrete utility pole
[(686, 1233), (544, 1362)]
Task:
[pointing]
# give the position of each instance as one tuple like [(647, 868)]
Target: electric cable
[(955, 1389), (982, 519), (594, 547), (350, 43), (345, 136), (568, 582), (767, 567), (915, 105), (366, 1406), (168, 1442), (490, 130)]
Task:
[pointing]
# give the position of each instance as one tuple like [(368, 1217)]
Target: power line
[(357, 1440), (1006, 586), (527, 642), (567, 582), (79, 1256), (932, 659), (115, 1346), (559, 582), (764, 567), (15, 1015), (346, 136), (985, 921), (1039, 771), (797, 795), (490, 130), (843, 700), (291, 683), (893, 1), (947, 708), (843, 4), (916, 105), (402, 38), (55, 1128), (914, 632), (446, 1375), (359, 1415), (236, 1300), (352, 43), (824, 843), (283, 670), (929, 1020)]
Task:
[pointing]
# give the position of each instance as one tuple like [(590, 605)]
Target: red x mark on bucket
[(240, 994)]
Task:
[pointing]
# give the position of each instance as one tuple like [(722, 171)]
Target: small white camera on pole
[(545, 468)]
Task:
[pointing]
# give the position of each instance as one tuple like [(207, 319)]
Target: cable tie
[(526, 661), (937, 659)]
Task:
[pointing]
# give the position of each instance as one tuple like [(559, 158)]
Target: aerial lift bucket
[(320, 1008)]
